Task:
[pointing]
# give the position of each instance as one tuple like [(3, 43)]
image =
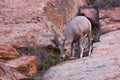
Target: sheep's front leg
[(81, 47), (90, 50), (81, 54), (73, 52)]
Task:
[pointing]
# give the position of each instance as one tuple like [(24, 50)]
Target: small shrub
[(50, 61), (95, 38)]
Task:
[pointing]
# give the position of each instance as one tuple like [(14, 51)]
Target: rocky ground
[(102, 64), (26, 37)]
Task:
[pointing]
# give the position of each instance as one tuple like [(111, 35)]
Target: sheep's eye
[(65, 49)]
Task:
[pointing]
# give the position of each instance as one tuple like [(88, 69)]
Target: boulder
[(109, 16), (25, 35), (102, 64), (92, 15), (8, 73), (110, 27), (26, 65), (105, 4), (93, 1), (60, 12), (8, 52), (109, 19)]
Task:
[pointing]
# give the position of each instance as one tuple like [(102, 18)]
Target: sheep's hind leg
[(89, 42)]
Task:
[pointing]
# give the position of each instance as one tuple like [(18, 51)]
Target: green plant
[(95, 38), (50, 61)]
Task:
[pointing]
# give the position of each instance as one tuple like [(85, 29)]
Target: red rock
[(112, 15), (61, 12), (109, 19), (8, 73), (94, 1), (25, 23), (8, 52), (26, 65), (110, 27), (19, 76), (92, 14)]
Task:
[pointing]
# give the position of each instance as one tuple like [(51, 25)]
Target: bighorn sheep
[(76, 30)]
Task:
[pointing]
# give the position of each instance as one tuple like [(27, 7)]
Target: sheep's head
[(67, 49), (64, 48), (61, 44)]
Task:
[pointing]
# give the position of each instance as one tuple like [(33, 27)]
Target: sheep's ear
[(57, 40)]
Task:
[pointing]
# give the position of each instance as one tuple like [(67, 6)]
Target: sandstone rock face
[(26, 23), (22, 35), (102, 64), (110, 27), (60, 12), (109, 20), (8, 52), (7, 73), (26, 65), (20, 22), (105, 4)]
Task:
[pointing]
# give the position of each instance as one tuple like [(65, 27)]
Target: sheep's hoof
[(72, 58)]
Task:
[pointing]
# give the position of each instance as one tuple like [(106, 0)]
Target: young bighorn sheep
[(76, 30)]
